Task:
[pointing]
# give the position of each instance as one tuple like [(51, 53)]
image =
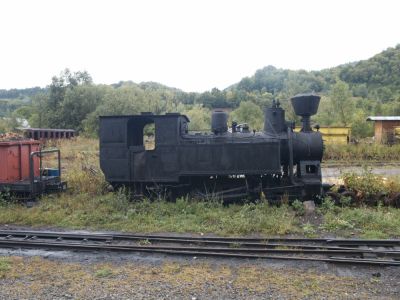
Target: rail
[(348, 251)]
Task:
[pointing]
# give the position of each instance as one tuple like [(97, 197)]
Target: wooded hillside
[(350, 92)]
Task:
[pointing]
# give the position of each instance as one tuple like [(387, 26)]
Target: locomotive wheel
[(380, 197), (334, 196), (393, 200), (349, 194)]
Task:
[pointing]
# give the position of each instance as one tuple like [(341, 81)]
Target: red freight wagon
[(15, 160), (21, 172)]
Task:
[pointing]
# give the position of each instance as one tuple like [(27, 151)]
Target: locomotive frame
[(229, 165)]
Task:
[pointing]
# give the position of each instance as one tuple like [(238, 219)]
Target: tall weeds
[(361, 152)]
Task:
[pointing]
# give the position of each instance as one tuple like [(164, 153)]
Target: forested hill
[(379, 75), (19, 93), (377, 78), (350, 92)]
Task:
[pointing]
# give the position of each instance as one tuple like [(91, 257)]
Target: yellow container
[(335, 135)]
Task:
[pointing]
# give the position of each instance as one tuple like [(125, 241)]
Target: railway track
[(349, 251)]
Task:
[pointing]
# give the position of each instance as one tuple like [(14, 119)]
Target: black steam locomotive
[(225, 163)]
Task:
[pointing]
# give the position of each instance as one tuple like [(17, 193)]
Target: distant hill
[(20, 93), (375, 83), (377, 77)]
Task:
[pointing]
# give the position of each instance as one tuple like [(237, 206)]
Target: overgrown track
[(349, 251)]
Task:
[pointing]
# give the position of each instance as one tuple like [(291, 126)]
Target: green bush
[(298, 207)]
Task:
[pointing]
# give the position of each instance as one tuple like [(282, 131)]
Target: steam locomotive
[(227, 163)]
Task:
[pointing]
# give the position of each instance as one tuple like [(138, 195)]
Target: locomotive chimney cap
[(305, 105)]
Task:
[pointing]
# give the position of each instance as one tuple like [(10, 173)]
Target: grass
[(80, 165), (365, 222), (362, 152), (114, 212), (5, 266), (103, 272), (37, 278), (87, 205)]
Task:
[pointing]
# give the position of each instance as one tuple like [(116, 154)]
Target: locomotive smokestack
[(219, 122), (305, 105)]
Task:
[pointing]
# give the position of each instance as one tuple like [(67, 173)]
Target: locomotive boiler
[(227, 163)]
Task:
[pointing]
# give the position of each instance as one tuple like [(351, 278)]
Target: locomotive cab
[(125, 154)]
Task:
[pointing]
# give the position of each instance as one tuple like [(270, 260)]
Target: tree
[(56, 117), (79, 102), (340, 96), (359, 127), (249, 113), (200, 118)]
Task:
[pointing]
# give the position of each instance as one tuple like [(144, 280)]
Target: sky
[(187, 44)]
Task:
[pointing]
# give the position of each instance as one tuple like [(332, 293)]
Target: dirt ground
[(39, 274)]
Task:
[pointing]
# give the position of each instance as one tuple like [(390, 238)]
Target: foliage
[(380, 222), (79, 158), (366, 183), (309, 230), (7, 125), (185, 215), (327, 205), (361, 152), (341, 102), (128, 99), (375, 75), (103, 272), (5, 266), (372, 189), (298, 207), (249, 113), (200, 118)]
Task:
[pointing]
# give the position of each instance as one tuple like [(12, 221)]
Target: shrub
[(298, 207), (369, 188), (327, 205)]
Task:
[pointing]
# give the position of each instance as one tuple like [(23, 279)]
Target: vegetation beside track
[(87, 204), (113, 211), (361, 153)]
